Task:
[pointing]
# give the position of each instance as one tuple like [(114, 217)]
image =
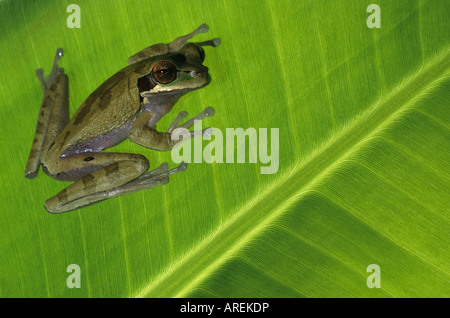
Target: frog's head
[(179, 71)]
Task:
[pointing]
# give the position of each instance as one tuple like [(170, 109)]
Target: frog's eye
[(164, 72)]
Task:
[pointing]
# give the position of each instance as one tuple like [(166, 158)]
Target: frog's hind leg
[(123, 174), (53, 114)]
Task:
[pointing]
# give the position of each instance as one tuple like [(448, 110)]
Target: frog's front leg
[(149, 137), (103, 176), (174, 46)]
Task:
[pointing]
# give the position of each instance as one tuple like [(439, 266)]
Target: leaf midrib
[(251, 220)]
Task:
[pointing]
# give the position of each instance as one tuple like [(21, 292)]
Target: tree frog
[(127, 105)]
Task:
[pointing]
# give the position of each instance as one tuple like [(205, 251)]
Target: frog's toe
[(40, 73), (208, 132), (40, 76), (55, 69), (207, 112), (202, 28), (213, 42), (177, 120), (47, 81), (162, 168), (179, 42), (159, 176)]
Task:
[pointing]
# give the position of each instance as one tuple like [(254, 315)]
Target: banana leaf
[(363, 178)]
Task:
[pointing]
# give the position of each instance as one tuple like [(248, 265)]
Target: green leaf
[(363, 154)]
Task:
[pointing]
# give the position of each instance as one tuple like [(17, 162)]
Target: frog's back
[(105, 117)]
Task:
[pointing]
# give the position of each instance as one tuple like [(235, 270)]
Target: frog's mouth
[(187, 81)]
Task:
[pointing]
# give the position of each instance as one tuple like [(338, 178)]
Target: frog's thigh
[(116, 170)]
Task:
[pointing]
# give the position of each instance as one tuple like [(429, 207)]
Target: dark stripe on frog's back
[(99, 99), (103, 94)]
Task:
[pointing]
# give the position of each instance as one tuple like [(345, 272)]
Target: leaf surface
[(363, 172)]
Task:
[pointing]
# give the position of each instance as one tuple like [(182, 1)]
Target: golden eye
[(164, 72)]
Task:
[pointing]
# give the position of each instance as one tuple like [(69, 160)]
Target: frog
[(128, 105)]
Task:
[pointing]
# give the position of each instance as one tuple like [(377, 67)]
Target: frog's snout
[(203, 74)]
